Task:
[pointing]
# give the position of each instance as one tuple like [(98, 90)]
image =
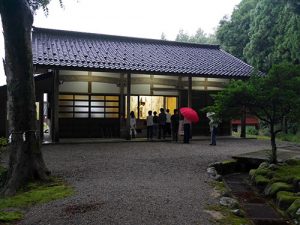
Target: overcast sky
[(137, 18)]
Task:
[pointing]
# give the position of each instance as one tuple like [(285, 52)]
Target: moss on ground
[(261, 180), (219, 186), (286, 173), (285, 199), (34, 193), (293, 208), (274, 188), (228, 216)]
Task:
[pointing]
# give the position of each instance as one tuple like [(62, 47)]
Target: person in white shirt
[(149, 125), (132, 125)]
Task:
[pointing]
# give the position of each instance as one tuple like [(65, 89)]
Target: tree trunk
[(243, 123), (273, 144), (26, 162)]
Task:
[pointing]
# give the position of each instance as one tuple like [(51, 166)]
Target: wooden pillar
[(180, 87), (40, 125), (122, 105), (54, 116), (128, 105), (190, 91)]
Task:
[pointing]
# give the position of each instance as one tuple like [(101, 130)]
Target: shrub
[(252, 131)]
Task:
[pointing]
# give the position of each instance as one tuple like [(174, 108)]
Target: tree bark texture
[(26, 162)]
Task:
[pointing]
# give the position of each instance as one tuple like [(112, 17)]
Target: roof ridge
[(119, 37)]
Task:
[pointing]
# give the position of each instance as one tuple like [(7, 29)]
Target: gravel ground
[(142, 183)]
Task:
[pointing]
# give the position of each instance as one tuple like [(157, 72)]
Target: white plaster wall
[(72, 72), (140, 75), (198, 88), (214, 88), (81, 87), (98, 87), (106, 74), (166, 93), (171, 77), (140, 89), (163, 86), (198, 79)]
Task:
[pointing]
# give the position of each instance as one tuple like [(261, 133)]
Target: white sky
[(136, 18)]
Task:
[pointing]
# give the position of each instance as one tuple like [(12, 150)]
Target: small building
[(86, 84), (251, 123)]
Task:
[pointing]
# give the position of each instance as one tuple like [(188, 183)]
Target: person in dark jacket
[(162, 119), (175, 125), (155, 124)]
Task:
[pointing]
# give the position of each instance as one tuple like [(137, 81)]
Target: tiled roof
[(77, 50)]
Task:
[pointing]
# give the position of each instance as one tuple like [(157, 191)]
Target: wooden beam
[(179, 84)]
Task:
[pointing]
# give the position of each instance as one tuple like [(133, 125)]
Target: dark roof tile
[(97, 51)]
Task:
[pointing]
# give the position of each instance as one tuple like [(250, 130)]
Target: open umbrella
[(190, 114)]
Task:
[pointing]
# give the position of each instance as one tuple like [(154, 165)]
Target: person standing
[(175, 125), (213, 125), (168, 122), (187, 130), (162, 124), (155, 124), (149, 126), (132, 125)]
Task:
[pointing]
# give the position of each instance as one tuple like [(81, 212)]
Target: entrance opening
[(46, 119), (140, 105)]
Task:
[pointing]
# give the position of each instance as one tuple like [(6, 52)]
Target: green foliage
[(286, 198), (36, 4), (274, 188), (263, 32), (3, 175), (251, 131), (3, 142), (200, 37), (10, 216), (272, 98), (274, 35), (233, 33), (34, 193), (261, 180), (289, 137), (294, 207)]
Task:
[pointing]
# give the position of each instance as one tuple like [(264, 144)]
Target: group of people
[(164, 124), (158, 125)]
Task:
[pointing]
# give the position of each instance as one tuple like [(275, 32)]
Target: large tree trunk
[(273, 144), (26, 162)]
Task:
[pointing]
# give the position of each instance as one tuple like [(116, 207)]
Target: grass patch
[(34, 193), (10, 216), (289, 137)]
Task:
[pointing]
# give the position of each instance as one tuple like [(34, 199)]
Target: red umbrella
[(190, 114)]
